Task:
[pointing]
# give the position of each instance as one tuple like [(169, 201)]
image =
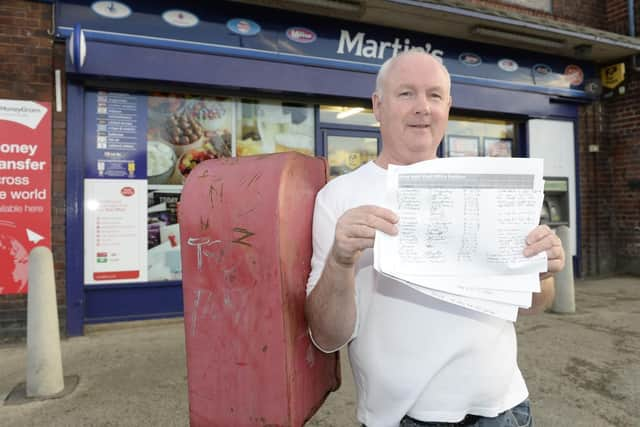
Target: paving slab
[(582, 369)]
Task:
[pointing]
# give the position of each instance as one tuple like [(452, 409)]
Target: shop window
[(140, 148), (473, 137), (182, 131), (348, 116), (347, 153), (271, 126)]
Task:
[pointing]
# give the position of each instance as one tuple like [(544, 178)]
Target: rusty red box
[(245, 227)]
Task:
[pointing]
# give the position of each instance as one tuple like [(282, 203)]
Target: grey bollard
[(44, 361), (564, 301)]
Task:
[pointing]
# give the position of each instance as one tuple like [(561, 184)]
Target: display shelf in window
[(463, 146), (497, 147)]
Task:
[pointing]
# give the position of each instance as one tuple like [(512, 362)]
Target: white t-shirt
[(412, 354)]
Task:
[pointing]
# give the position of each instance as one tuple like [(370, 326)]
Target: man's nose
[(422, 105)]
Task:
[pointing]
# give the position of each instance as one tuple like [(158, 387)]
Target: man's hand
[(331, 307), (356, 229), (542, 238)]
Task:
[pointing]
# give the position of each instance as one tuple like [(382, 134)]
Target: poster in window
[(497, 147), (163, 233), (271, 126), (463, 146), (184, 131), (115, 147), (115, 238)]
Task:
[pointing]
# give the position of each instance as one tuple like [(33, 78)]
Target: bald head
[(414, 110), (390, 63)]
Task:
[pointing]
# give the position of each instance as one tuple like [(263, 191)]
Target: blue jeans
[(518, 416)]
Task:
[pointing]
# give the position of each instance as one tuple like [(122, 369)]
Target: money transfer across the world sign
[(25, 188)]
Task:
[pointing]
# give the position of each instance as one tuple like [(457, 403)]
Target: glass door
[(348, 149)]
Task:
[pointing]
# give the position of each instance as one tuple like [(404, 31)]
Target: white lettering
[(396, 46), (14, 180), (438, 54), (371, 49), (22, 165), (358, 45), (383, 46), (29, 195), (18, 149), (407, 44), (345, 38)]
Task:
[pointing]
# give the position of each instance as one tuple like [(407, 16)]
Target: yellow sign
[(612, 75)]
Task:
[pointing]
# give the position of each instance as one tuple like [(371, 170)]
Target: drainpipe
[(635, 63), (632, 18)]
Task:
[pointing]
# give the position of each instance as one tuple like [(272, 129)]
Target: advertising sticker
[(115, 231), (25, 188)]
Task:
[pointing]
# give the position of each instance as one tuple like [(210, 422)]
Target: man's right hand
[(356, 229), (331, 306)]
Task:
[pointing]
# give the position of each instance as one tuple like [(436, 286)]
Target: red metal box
[(245, 227)]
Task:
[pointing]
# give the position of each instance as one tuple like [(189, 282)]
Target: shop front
[(153, 90)]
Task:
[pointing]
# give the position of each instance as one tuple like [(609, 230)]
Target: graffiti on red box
[(25, 188)]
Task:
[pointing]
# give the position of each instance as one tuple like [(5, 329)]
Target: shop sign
[(359, 45), (613, 80), (180, 18), (25, 188), (470, 59), (243, 27), (250, 31), (301, 35), (574, 74), (508, 65), (111, 9), (115, 231)]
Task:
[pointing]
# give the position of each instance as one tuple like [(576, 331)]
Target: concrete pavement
[(583, 370)]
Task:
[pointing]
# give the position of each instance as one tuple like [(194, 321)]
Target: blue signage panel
[(115, 135), (288, 36)]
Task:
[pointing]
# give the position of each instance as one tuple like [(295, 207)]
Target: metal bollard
[(44, 360), (564, 301)]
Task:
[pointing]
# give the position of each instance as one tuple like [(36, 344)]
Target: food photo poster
[(161, 137)]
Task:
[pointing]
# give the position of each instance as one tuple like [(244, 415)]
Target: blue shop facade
[(153, 88)]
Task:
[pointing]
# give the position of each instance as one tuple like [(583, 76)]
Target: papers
[(462, 230)]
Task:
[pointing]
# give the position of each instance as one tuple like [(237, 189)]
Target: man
[(416, 360)]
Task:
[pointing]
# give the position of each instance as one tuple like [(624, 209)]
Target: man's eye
[(405, 94), (436, 96)]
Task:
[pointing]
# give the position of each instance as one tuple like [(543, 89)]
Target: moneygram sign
[(25, 188)]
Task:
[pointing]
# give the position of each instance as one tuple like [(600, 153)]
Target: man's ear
[(375, 103)]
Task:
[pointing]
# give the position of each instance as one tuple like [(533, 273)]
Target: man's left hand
[(542, 238)]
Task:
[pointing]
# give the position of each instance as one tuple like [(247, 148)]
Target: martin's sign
[(358, 45), (278, 35)]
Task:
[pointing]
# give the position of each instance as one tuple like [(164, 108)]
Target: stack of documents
[(462, 231)]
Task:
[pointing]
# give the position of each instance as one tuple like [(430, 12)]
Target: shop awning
[(458, 19)]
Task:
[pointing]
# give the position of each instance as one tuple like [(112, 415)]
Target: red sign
[(25, 188), (127, 191), (574, 75)]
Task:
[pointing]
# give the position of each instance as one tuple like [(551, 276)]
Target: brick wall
[(598, 237), (622, 133), (623, 136), (617, 17), (580, 12), (26, 73)]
